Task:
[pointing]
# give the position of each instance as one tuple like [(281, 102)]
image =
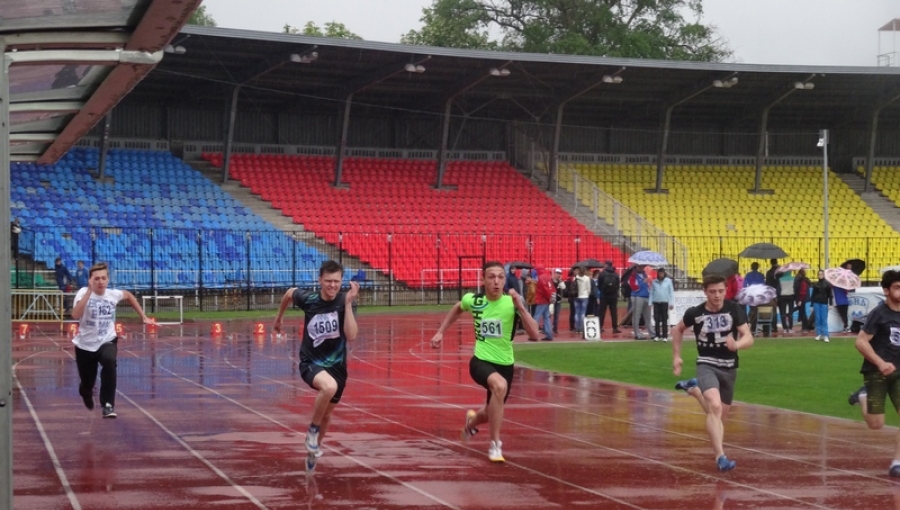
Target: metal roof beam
[(66, 39), (51, 125), (156, 28), (32, 137), (43, 106), (100, 57), (63, 94)]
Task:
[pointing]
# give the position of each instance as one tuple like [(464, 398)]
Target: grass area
[(799, 374)]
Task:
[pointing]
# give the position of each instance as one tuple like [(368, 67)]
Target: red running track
[(218, 423)]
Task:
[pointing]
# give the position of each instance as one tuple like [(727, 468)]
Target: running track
[(218, 423)]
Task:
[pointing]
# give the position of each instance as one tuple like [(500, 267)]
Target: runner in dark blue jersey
[(323, 350)]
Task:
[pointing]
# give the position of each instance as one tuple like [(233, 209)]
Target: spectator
[(530, 292), (842, 302), (662, 299), (732, 286), (801, 296), (81, 275), (560, 287), (772, 281), (543, 296), (572, 296), (15, 229), (583, 284), (822, 296), (786, 302), (626, 286), (595, 293), (640, 301), (754, 277), (609, 297), (63, 277)]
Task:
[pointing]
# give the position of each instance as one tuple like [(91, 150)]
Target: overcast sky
[(814, 32)]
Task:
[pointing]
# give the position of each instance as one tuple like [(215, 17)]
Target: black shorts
[(480, 370), (309, 371)]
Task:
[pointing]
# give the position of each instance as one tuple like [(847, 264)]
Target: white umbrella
[(648, 258), (756, 295), (843, 278), (792, 266)]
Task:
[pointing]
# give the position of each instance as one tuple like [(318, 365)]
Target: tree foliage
[(201, 17), (331, 29), (658, 29)]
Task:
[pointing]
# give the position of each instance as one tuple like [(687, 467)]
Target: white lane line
[(195, 453), (271, 419), (57, 466)]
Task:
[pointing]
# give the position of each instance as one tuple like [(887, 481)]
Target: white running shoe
[(495, 453), (825, 339), (818, 337), (312, 441)]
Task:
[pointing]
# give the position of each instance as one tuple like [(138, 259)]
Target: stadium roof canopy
[(293, 73), (71, 61)]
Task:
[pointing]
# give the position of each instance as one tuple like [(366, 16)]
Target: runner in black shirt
[(879, 343), (323, 350), (716, 323)]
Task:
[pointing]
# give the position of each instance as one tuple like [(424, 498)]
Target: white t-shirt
[(98, 324), (584, 286)]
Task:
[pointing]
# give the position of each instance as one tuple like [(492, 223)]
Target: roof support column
[(442, 153), (342, 144), (727, 82), (870, 157), (104, 145), (873, 136), (6, 474), (229, 133), (553, 174), (764, 127)]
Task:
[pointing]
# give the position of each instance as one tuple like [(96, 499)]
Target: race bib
[(492, 328), (716, 327), (895, 336), (324, 326)]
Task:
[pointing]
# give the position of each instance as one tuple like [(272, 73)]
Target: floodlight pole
[(823, 141), (6, 454)]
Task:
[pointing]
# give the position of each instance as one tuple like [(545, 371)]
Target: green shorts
[(878, 387)]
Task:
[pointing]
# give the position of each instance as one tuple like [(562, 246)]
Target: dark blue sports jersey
[(323, 342), (884, 326)]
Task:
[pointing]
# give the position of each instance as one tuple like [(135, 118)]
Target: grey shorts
[(722, 379)]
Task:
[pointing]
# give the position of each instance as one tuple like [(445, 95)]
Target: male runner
[(323, 351), (716, 323), (879, 343), (496, 315)]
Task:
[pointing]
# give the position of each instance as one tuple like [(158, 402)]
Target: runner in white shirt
[(96, 342)]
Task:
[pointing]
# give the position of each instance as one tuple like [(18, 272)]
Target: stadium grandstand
[(227, 164), (334, 148)]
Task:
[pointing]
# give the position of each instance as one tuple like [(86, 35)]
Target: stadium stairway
[(274, 216), (883, 206)]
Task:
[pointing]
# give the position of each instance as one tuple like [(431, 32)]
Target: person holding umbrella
[(821, 297), (879, 344), (842, 300)]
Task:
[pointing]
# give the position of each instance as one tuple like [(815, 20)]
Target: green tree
[(331, 29), (658, 29), (201, 17)]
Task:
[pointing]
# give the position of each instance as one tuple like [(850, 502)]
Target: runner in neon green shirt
[(496, 315)]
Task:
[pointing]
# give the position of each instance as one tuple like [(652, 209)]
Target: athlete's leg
[(494, 409), (714, 426), (107, 359), (872, 401), (326, 386), (697, 394), (326, 420)]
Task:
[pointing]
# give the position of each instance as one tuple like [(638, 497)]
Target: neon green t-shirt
[(495, 323)]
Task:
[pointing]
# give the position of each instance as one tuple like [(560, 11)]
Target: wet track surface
[(218, 422)]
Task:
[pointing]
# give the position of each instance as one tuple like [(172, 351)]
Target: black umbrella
[(763, 251), (590, 264), (518, 264), (856, 265), (721, 267)]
